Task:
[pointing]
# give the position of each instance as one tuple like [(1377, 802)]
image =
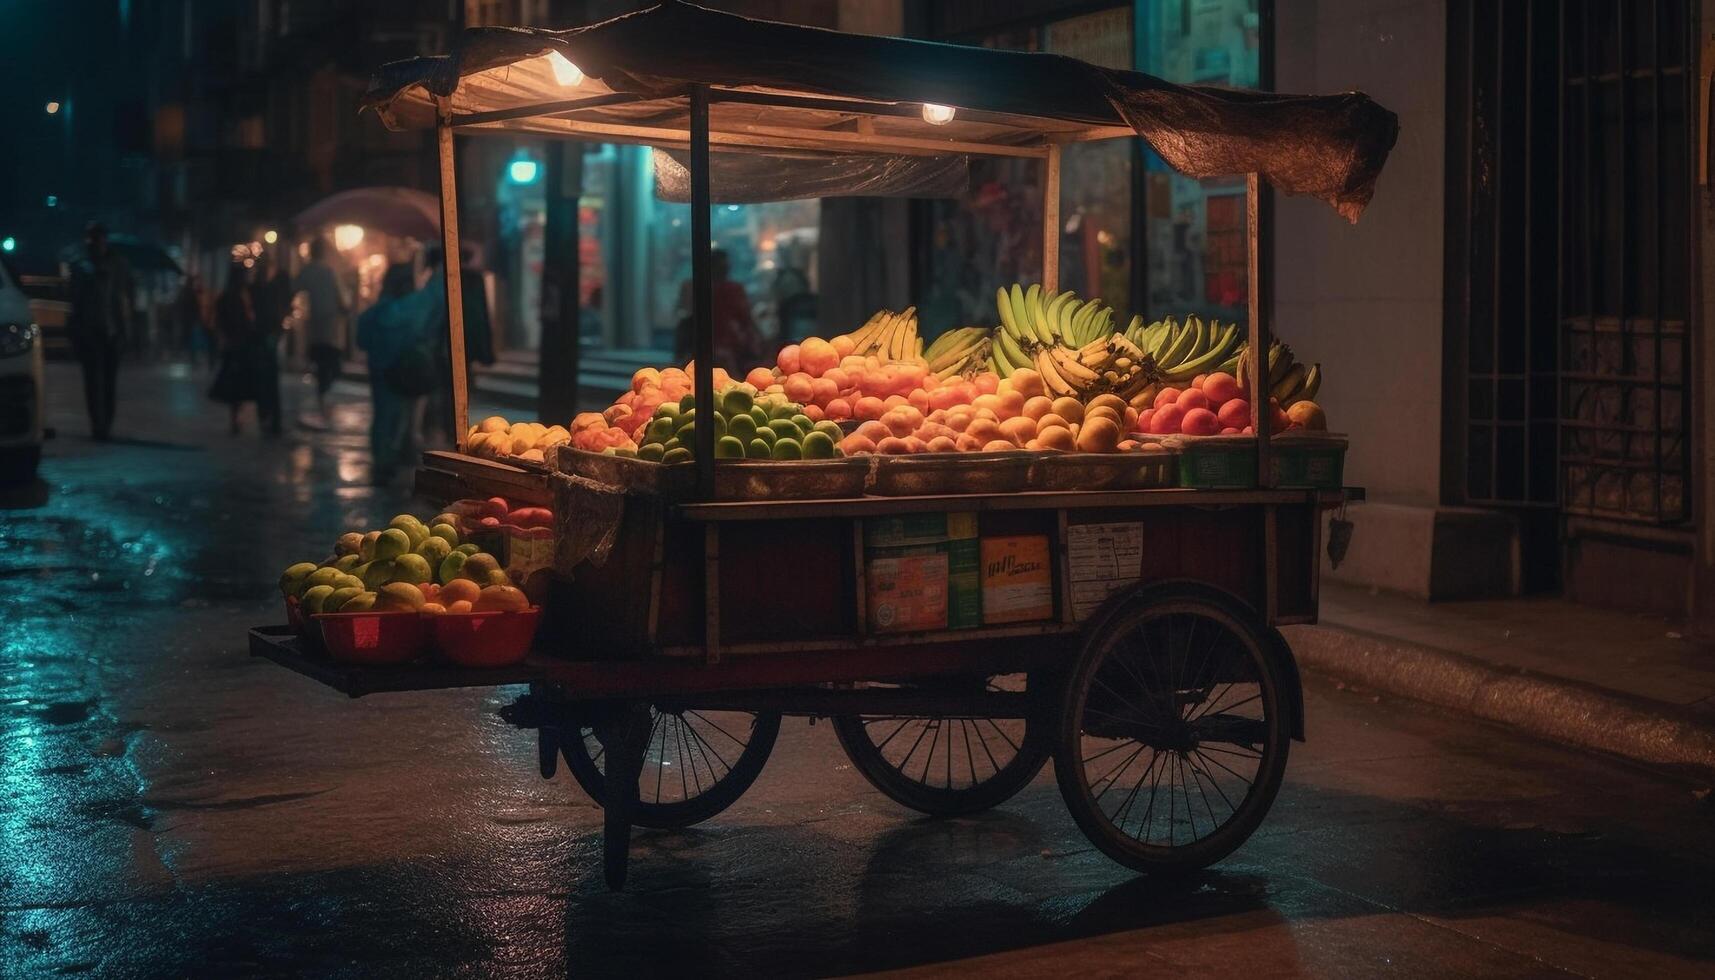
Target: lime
[(785, 429), (788, 449), (687, 435), (661, 429), (760, 414), (670, 445), (742, 427), (832, 428), (678, 454), (651, 451), (728, 447), (803, 422), (783, 410), (737, 400), (759, 449), (767, 435), (626, 451), (818, 445), (313, 597), (688, 402)]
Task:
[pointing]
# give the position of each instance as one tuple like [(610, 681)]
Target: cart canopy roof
[(841, 97)]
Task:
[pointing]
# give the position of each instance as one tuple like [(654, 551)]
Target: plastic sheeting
[(750, 178), (1331, 147)]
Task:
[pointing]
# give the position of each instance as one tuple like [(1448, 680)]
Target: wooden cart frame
[(663, 633)]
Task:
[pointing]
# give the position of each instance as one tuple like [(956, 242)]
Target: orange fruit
[(868, 408), (987, 383), (1011, 404), (1099, 435), (893, 446), (943, 444), (854, 444), (843, 344), (1019, 429), (1108, 399), (1049, 421), (1026, 382), (968, 443), (999, 446), (984, 430), (1037, 406), (1069, 408), (1056, 437), (991, 403)]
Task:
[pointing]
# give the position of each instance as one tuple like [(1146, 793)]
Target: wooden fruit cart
[(1154, 675)]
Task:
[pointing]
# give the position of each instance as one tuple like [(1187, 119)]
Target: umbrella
[(397, 211), (142, 256)]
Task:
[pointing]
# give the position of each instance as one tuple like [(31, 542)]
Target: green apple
[(336, 602), (468, 548), (444, 517), (477, 567), (452, 566), (434, 549), (312, 599), (361, 602), (392, 543), (292, 580), (367, 548), (325, 575), (412, 527), (398, 597), (348, 562), (446, 532), (378, 573), (412, 568), (349, 543)]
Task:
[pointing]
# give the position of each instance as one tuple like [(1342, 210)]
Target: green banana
[(1289, 384), (1208, 359), (1307, 391), (1020, 312), (1003, 305), (1181, 347), (1008, 352)]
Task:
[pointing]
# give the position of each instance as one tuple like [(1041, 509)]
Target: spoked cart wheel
[(946, 766), (1174, 730), (694, 764)]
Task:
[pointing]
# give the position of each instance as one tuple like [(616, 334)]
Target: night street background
[(173, 807)]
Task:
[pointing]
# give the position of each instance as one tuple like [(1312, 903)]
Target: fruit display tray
[(1149, 468), (1305, 461), (940, 473), (735, 479)]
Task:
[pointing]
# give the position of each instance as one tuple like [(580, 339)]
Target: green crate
[(1229, 462)]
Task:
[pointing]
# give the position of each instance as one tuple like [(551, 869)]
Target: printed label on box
[(907, 592), (1103, 558), (1018, 583), (918, 529)]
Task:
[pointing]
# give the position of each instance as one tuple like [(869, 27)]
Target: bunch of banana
[(1288, 380), (1110, 364), (961, 352), (889, 336), (1036, 317), (1184, 350)]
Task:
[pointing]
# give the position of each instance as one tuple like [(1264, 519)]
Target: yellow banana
[(1071, 369), (1051, 378)]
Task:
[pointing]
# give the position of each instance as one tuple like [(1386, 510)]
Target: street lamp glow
[(566, 74), (270, 236), (8, 244), (347, 237), (937, 115), (522, 171), (52, 107)]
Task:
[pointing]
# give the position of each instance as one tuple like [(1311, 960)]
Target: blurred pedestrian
[(736, 342), (478, 339), (393, 335), (100, 319), (324, 327), (272, 293), (189, 325), (242, 358)]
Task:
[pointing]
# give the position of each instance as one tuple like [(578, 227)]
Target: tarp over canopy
[(639, 69)]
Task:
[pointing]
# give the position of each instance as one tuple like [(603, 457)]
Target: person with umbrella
[(100, 319)]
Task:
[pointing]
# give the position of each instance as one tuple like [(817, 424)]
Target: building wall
[(1366, 300)]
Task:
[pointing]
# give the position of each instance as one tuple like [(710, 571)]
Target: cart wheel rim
[(1174, 736), (696, 763), (946, 765)]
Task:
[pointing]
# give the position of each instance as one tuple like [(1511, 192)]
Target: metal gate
[(1569, 262)]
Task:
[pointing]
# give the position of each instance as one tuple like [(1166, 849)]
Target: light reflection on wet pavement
[(171, 807)]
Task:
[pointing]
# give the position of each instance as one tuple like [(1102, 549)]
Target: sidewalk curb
[(1566, 711)]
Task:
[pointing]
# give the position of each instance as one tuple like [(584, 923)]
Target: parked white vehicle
[(21, 381)]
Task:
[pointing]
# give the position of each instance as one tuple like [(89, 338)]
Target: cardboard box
[(917, 529), (923, 587), (1017, 579)]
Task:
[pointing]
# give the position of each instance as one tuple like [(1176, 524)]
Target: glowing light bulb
[(270, 236), (937, 115), (565, 73), (52, 107), (522, 171), (347, 237)]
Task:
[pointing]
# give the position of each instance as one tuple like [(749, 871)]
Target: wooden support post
[(557, 367), (454, 282), (1051, 218), (1258, 333), (702, 294)]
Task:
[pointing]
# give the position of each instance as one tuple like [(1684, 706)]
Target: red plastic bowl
[(372, 638), (484, 639)]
